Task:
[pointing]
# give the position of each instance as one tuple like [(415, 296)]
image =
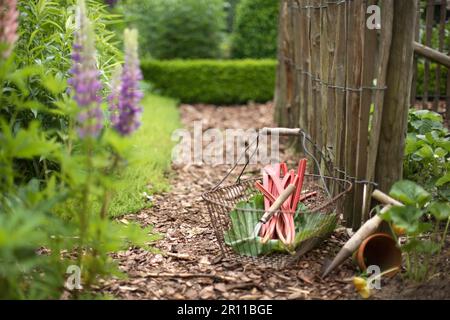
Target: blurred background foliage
[(193, 30), (197, 29), (255, 30), (186, 29)]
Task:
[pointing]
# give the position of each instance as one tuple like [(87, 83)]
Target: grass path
[(150, 156)]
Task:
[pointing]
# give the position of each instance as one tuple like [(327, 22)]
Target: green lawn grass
[(150, 156)]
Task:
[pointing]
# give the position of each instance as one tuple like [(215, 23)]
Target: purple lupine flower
[(85, 83), (126, 120), (8, 25)]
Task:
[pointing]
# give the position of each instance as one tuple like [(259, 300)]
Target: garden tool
[(365, 231), (274, 208)]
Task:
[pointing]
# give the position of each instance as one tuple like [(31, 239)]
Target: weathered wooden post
[(389, 162), (283, 88)]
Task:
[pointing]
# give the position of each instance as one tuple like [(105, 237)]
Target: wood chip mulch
[(185, 270)]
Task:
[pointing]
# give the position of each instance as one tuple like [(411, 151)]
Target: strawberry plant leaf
[(443, 180), (410, 193), (421, 246), (406, 217), (440, 210)]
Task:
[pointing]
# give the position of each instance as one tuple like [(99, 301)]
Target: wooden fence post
[(437, 89), (355, 50), (387, 18), (416, 62), (280, 97), (428, 41), (389, 164), (368, 74)]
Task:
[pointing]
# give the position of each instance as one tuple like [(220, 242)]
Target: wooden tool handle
[(385, 199), (372, 225), (278, 203), (281, 131)]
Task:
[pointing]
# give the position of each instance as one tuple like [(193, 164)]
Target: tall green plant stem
[(444, 236), (85, 197), (107, 194)]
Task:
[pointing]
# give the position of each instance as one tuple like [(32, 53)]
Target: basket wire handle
[(256, 140), (281, 132), (317, 164), (305, 137), (247, 159)]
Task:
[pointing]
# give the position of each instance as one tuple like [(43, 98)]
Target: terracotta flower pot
[(379, 249)]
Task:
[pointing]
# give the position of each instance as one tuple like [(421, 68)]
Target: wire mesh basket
[(234, 214)]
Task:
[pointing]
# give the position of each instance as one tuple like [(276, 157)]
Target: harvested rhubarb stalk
[(276, 179)]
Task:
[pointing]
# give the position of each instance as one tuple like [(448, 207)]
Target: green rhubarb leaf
[(244, 219), (246, 215)]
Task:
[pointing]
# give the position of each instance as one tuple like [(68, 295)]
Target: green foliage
[(186, 29), (256, 29), (149, 157), (433, 66), (26, 224), (213, 81), (427, 153), (418, 217)]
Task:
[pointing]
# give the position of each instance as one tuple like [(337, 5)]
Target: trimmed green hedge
[(213, 81)]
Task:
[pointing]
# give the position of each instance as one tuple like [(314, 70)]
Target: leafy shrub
[(183, 29), (213, 81), (415, 220), (255, 29), (46, 35), (427, 153), (231, 6)]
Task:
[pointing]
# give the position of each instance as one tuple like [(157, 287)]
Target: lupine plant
[(111, 3), (8, 25), (85, 80), (49, 222), (126, 95)]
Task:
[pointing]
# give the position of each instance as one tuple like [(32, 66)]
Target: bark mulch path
[(184, 269)]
